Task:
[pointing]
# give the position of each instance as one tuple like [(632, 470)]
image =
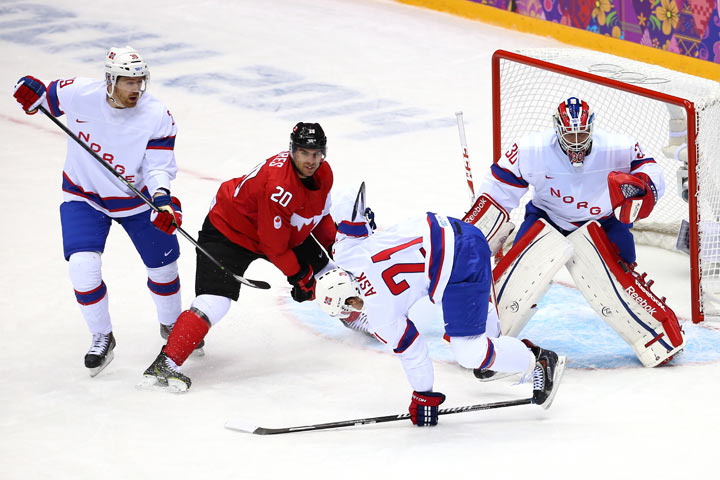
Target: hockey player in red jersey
[(268, 213)]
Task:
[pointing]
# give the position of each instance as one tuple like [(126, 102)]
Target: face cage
[(575, 150)]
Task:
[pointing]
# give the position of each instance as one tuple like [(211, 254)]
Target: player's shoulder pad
[(324, 176)]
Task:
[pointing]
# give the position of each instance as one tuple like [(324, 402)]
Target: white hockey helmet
[(124, 62), (573, 121), (332, 290)]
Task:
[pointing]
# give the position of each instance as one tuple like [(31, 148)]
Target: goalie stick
[(245, 281), (466, 156), (241, 426)]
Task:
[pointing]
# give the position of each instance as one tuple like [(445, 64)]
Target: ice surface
[(384, 80)]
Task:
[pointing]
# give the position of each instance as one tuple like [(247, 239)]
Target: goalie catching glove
[(168, 215), (632, 196)]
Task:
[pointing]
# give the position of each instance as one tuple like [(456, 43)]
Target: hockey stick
[(466, 156), (251, 283), (246, 427)]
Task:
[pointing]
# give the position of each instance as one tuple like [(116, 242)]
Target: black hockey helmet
[(308, 135)]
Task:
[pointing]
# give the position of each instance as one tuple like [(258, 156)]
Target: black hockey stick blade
[(242, 426), (359, 202)]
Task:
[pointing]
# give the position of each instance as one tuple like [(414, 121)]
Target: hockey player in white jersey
[(384, 274), (134, 133), (589, 186)]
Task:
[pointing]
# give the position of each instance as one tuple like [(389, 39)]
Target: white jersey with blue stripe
[(394, 269), (137, 142), (570, 195)]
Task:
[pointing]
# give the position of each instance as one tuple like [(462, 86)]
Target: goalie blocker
[(623, 298), (492, 220)]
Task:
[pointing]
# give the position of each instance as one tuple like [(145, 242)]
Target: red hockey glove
[(303, 284), (30, 93), (632, 196), (424, 408), (169, 214)]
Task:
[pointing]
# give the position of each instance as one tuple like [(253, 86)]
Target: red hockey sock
[(187, 333)]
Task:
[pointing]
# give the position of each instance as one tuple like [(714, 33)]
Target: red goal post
[(674, 116)]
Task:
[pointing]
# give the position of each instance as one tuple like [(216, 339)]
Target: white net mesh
[(530, 94)]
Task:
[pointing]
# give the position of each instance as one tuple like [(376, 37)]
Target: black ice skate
[(100, 353), (164, 373), (165, 333), (549, 369)]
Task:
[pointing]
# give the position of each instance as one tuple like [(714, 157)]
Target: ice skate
[(165, 373), (165, 333), (546, 376), (100, 353)]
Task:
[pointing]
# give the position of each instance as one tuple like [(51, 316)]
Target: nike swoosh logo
[(168, 252), (549, 178), (81, 121)]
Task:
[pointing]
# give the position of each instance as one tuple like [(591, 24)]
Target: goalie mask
[(124, 62), (573, 121), (333, 289)]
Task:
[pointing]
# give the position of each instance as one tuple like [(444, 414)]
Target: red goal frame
[(688, 106)]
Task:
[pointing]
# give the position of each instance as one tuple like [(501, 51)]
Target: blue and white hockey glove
[(424, 408), (30, 93)]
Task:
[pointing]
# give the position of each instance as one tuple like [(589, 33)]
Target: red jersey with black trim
[(270, 211)]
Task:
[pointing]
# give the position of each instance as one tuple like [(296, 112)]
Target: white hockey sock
[(512, 355), (213, 306), (164, 285), (501, 354), (90, 291)]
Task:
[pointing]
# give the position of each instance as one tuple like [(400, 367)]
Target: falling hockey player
[(383, 274), (588, 189)]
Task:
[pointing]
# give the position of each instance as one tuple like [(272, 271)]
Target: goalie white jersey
[(570, 195), (137, 142)]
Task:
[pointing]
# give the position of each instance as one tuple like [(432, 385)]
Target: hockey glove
[(632, 196), (370, 217), (424, 408), (168, 215), (30, 93), (303, 284)]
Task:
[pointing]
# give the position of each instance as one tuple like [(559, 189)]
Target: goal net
[(675, 118)]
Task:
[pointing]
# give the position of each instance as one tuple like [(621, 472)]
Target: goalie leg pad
[(492, 219), (524, 274), (623, 298)]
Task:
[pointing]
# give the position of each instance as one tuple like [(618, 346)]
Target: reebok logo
[(476, 211), (650, 295), (640, 301)]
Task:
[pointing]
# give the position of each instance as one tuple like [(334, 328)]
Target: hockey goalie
[(588, 188)]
